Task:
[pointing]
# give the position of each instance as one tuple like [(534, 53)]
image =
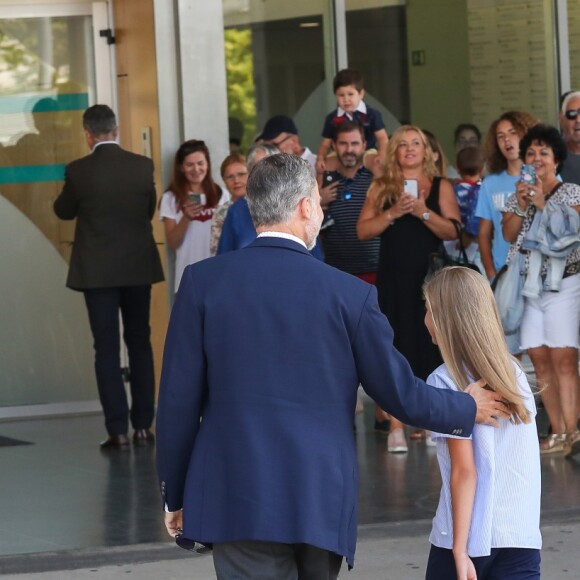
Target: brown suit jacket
[(111, 193)]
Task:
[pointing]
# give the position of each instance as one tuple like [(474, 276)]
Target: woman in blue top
[(487, 524)]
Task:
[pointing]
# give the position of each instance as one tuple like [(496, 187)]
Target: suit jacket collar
[(271, 242)]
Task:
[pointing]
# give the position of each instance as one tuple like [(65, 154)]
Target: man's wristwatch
[(425, 217)]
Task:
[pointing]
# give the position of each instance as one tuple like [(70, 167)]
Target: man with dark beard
[(343, 200)]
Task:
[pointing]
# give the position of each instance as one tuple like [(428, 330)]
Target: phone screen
[(411, 186), (197, 198), (528, 174)]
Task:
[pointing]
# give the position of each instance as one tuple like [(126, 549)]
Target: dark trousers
[(103, 306), (274, 561), (501, 564)]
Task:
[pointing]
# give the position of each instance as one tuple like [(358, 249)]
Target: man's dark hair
[(466, 127), (548, 136), (348, 126), (347, 77), (99, 120)]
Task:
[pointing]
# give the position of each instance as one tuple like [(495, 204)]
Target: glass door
[(53, 65)]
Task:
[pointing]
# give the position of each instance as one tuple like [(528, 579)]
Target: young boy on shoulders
[(349, 91)]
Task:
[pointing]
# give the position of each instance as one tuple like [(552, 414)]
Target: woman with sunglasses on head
[(410, 207), (187, 207), (541, 221)]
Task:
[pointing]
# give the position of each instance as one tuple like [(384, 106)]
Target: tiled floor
[(63, 493)]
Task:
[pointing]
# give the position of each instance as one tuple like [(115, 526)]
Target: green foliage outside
[(240, 81)]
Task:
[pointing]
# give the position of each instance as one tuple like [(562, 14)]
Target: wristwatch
[(425, 217)]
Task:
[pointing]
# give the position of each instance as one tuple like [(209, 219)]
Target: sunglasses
[(571, 114)]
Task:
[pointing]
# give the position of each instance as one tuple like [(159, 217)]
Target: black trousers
[(274, 561), (103, 306)]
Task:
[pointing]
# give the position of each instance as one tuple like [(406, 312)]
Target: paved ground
[(385, 552)]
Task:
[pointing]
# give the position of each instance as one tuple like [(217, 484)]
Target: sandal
[(573, 444), (554, 443)]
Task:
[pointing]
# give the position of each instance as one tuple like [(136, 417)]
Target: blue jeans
[(501, 564), (103, 306)]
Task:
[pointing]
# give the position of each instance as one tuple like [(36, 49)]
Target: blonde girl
[(487, 520)]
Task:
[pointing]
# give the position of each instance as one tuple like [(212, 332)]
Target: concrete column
[(203, 74), (192, 77)]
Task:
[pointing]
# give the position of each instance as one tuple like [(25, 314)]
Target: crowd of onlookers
[(391, 202)]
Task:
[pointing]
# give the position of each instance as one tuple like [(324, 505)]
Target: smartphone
[(528, 174), (411, 186), (329, 177), (197, 198)]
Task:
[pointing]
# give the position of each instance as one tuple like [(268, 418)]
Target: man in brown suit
[(114, 262)]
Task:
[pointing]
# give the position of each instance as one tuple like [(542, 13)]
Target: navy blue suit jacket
[(267, 346)]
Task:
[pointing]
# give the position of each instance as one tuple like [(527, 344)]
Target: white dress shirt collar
[(104, 143), (282, 235), (362, 108)]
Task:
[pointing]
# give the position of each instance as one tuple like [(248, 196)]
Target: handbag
[(442, 259), (507, 289)]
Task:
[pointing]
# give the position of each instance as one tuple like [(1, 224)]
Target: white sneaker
[(396, 442)]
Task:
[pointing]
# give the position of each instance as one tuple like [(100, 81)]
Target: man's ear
[(305, 208), (362, 94)]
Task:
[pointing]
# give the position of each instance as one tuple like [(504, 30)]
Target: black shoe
[(143, 437), (115, 442), (383, 427)]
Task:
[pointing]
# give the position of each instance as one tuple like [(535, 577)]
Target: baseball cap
[(276, 125)]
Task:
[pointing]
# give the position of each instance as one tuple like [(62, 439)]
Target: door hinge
[(108, 34)]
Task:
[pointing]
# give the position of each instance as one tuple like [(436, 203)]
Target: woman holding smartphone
[(188, 205), (411, 227), (549, 330)]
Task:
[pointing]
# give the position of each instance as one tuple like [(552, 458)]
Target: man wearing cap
[(282, 132), (570, 125)]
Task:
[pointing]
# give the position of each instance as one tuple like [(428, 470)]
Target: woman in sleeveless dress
[(410, 207)]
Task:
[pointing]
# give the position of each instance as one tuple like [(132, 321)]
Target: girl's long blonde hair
[(389, 186), (470, 336)]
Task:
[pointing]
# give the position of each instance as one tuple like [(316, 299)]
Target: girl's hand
[(536, 194), (464, 567), (405, 204), (191, 210), (523, 195)]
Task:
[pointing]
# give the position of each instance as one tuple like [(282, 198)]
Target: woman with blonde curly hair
[(411, 225)]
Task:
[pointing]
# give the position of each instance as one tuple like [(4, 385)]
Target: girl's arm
[(323, 150), (382, 141), (175, 231), (462, 484)]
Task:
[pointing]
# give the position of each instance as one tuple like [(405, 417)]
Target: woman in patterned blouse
[(551, 319)]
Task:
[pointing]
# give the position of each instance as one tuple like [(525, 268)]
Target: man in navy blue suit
[(264, 354)]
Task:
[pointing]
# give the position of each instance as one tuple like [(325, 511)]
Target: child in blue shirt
[(349, 91)]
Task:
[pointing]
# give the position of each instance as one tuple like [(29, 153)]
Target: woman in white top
[(189, 205), (487, 524)]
